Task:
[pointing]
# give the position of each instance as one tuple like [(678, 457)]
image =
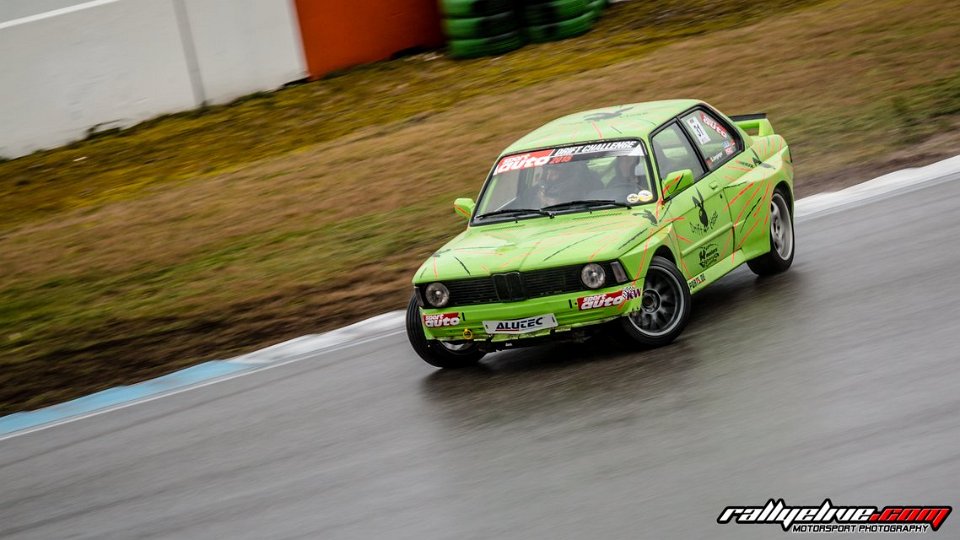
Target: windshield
[(613, 172)]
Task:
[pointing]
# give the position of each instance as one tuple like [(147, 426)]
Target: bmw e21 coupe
[(607, 218)]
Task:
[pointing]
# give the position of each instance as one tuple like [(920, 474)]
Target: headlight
[(437, 294), (593, 276)]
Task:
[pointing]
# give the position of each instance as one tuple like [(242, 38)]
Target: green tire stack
[(553, 20), (480, 27), (490, 27)]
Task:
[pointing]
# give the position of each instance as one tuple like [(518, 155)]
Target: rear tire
[(666, 306), (780, 256), (434, 352)]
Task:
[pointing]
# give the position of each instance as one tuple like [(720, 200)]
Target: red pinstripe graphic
[(643, 259), (594, 124), (759, 206), (742, 191), (747, 235), (602, 246), (516, 257), (745, 205), (672, 183), (744, 169), (685, 239)]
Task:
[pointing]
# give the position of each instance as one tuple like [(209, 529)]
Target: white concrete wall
[(114, 63), (244, 46)]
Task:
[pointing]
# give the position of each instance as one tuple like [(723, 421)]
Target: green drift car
[(611, 219)]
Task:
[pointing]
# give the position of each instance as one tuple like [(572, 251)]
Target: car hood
[(536, 243)]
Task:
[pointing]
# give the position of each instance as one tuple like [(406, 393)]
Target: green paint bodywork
[(733, 201)]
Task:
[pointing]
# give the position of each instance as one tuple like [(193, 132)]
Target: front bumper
[(572, 311)]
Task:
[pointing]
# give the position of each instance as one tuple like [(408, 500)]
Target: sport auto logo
[(828, 518), (595, 301), (441, 319)]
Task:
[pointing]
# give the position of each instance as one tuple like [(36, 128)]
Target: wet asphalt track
[(839, 379)]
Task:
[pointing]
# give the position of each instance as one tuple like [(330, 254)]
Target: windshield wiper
[(587, 202), (506, 211)]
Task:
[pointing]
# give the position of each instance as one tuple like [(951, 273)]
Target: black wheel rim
[(661, 304)]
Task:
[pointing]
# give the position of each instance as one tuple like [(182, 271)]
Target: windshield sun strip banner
[(564, 154)]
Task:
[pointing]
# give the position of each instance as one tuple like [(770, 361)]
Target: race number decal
[(698, 130)]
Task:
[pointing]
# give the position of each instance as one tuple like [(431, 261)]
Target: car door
[(704, 232)]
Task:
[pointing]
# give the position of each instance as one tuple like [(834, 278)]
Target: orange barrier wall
[(342, 33)]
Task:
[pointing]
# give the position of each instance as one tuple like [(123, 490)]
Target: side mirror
[(676, 182), (464, 207)]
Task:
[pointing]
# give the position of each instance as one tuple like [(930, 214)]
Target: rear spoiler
[(754, 122)]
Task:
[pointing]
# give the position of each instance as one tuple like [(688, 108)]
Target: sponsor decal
[(698, 130), (695, 282), (440, 320), (521, 326), (706, 221), (640, 196), (540, 158), (829, 518), (613, 146), (708, 255), (616, 298), (716, 157), (730, 150), (714, 125), (524, 161)]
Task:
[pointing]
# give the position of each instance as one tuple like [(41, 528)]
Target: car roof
[(630, 121)]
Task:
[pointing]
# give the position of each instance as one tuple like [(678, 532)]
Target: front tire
[(665, 306), (780, 256), (438, 353)]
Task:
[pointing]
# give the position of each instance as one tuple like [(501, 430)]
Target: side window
[(715, 142), (673, 152)]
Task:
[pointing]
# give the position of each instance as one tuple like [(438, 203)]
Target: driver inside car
[(627, 177), (555, 184)]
